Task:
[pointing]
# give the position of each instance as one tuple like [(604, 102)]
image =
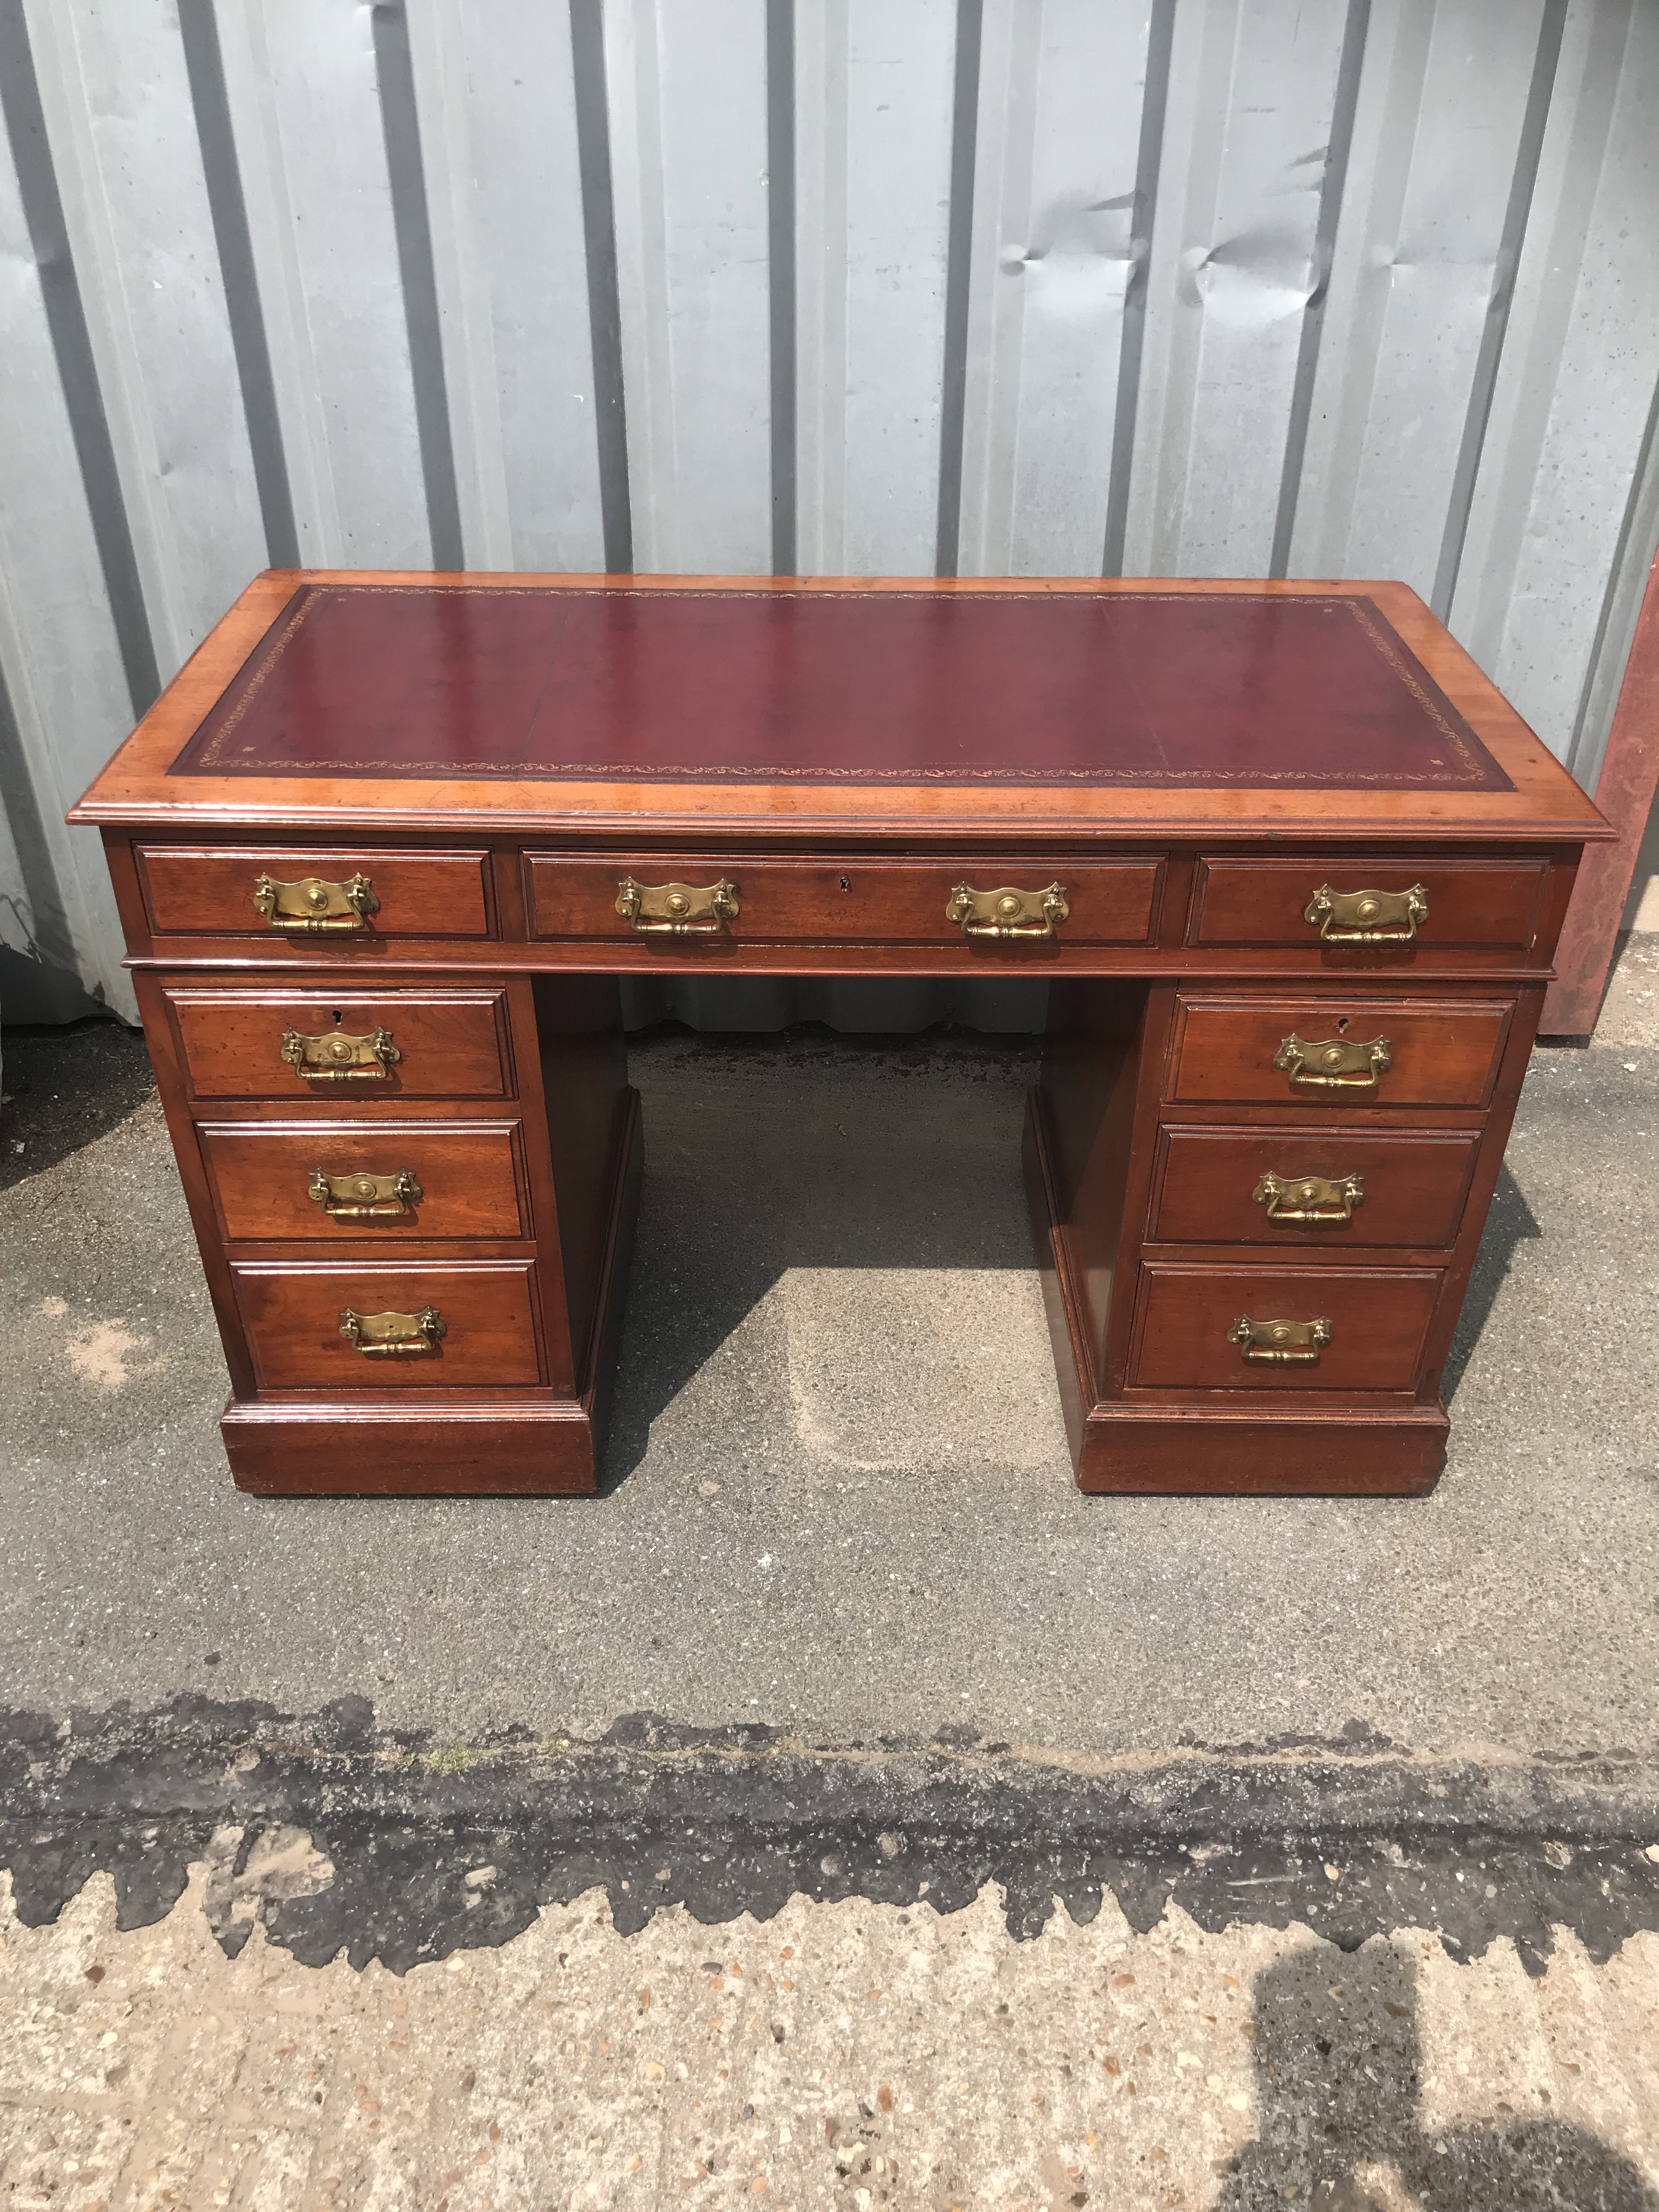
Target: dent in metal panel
[(1575, 382), (115, 95), (687, 94), (1438, 135), (875, 103), (496, 96), (60, 660), (300, 79), (1234, 265), (1053, 251)]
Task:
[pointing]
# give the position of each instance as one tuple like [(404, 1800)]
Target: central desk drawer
[(1188, 1332), (276, 1180), (843, 902), (1250, 1187), (194, 889), (1336, 1053), (482, 1335), (354, 1047)]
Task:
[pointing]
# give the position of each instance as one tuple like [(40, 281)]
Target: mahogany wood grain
[(292, 1315), (843, 899), (590, 1110), (1414, 1185), (470, 1176), (1147, 1450), (1487, 903), (484, 1449), (1443, 1052), (1379, 1321), (454, 1043), (191, 890)]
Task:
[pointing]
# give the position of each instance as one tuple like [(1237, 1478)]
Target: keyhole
[(338, 1017), (845, 885), (1342, 1027)]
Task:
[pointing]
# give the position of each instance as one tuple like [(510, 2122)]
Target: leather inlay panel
[(891, 687)]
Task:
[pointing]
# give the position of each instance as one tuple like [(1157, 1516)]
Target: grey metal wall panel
[(1204, 287)]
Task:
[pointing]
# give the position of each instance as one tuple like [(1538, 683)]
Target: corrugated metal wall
[(1196, 287)]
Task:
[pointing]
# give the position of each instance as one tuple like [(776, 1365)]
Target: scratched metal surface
[(1210, 287)]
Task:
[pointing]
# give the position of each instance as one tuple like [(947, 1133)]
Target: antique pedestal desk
[(1292, 869)]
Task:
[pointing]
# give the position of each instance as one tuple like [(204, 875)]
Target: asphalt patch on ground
[(341, 1837)]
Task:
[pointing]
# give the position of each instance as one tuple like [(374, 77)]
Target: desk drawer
[(1486, 905), (197, 891), (842, 902), (1186, 1324), (1248, 1187), (484, 1335), (450, 1179), (1333, 1054), (417, 1044)]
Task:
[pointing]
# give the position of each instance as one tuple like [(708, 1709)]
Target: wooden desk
[(1293, 871)]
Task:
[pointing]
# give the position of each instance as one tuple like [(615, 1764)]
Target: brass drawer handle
[(1308, 1198), (1367, 917), (393, 1335), (678, 910), (339, 1058), (1281, 1343), (1006, 912), (365, 1197), (1334, 1064), (313, 904)]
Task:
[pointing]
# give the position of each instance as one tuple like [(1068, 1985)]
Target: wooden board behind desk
[(1292, 868)]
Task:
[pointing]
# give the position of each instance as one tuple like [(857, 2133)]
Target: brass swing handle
[(678, 910), (1281, 1343), (314, 905), (1006, 912), (365, 1197), (1308, 1198), (1367, 917), (1334, 1063), (339, 1057), (393, 1335)]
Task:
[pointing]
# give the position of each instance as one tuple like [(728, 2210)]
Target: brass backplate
[(365, 1197), (1281, 1343), (1333, 1063), (314, 904), (393, 1335), (1007, 912), (678, 910), (338, 1057), (1367, 917), (1308, 1198)]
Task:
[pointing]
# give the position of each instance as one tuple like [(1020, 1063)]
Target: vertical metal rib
[(394, 71), (198, 33), (781, 248), (77, 371), (958, 273), (1343, 109), (1621, 603), (603, 304), (1528, 154), (1154, 107)]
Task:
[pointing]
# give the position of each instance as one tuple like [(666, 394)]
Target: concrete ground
[(839, 1538)]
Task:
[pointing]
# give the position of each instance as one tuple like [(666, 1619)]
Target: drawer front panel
[(195, 891), (1440, 1052), (467, 1180), (1410, 1188), (292, 1315), (1492, 905), (450, 1044), (1377, 1321), (851, 902)]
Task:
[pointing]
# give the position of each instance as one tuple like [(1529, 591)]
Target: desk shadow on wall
[(1339, 2061), (833, 1248)]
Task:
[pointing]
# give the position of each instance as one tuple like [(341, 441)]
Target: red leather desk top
[(410, 680)]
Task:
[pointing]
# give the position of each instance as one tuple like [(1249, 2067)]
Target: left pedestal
[(415, 1202)]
